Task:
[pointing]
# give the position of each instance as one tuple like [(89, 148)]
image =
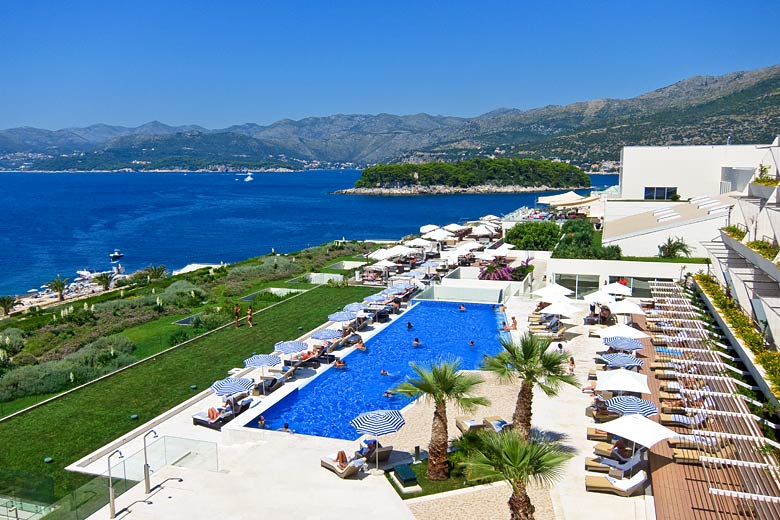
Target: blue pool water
[(325, 406)]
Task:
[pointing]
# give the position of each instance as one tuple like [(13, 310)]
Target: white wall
[(607, 268), (694, 170), (646, 244)]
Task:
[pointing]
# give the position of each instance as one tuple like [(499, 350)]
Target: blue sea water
[(57, 223), (325, 406)]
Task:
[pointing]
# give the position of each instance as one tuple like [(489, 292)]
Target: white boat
[(116, 255), (249, 177)]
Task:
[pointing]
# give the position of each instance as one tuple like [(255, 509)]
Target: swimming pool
[(325, 406)]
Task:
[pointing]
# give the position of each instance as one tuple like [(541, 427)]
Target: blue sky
[(74, 63)]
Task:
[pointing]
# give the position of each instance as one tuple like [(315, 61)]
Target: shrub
[(11, 340), (179, 336), (209, 321), (182, 294), (734, 232), (536, 236), (24, 359), (765, 249), (674, 247), (581, 241)]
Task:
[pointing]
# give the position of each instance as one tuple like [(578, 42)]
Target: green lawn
[(430, 487), (78, 423), (10, 407)]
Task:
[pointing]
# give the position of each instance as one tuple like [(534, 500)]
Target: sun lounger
[(495, 423), (683, 456), (607, 464), (352, 468), (202, 419), (605, 415), (604, 449), (622, 487), (697, 421), (697, 442), (594, 434), (467, 424)]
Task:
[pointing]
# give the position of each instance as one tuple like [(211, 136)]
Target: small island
[(470, 176)]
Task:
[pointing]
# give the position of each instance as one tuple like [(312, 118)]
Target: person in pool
[(416, 342), (388, 393), (462, 308), (471, 343), (384, 372), (409, 325)]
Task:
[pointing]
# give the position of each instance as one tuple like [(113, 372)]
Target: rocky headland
[(420, 189)]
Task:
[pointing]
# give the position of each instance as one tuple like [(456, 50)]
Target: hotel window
[(660, 193)]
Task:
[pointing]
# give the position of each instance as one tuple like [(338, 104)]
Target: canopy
[(621, 380), (622, 343), (553, 288), (599, 297), (621, 330), (378, 297), (622, 360), (617, 288), (628, 405), (383, 264), (490, 217), (554, 298), (625, 307), (326, 334), (395, 251), (454, 228), (232, 385), (342, 316), (561, 308), (639, 429), (262, 360), (585, 201), (438, 235), (427, 228), (482, 231), (484, 255), (290, 347), (355, 307), (502, 250), (419, 242), (562, 198), (465, 247)]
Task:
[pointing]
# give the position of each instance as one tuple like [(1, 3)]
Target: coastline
[(419, 189)]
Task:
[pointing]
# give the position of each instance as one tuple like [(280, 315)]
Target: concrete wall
[(646, 244), (617, 208), (694, 170)]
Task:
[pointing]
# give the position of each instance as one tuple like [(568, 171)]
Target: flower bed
[(734, 232), (765, 249), (743, 328)]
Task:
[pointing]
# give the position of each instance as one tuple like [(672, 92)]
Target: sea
[(58, 223)]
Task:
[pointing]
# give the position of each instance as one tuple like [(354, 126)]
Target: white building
[(663, 172)]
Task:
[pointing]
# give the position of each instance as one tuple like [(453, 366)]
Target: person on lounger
[(341, 459), (620, 450)]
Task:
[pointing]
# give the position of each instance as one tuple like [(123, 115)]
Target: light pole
[(111, 506), (147, 486)]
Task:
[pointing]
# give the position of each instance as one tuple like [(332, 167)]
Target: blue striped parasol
[(622, 343), (326, 334), (622, 360), (628, 405), (404, 285), (378, 422), (290, 347), (393, 290), (262, 360), (355, 307), (232, 385), (342, 316), (379, 297)]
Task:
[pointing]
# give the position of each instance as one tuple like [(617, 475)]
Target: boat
[(248, 177), (116, 255)]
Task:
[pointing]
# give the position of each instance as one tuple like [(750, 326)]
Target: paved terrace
[(278, 474)]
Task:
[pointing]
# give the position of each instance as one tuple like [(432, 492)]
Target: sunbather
[(619, 450), (341, 459)]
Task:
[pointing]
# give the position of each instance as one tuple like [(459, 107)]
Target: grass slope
[(80, 422)]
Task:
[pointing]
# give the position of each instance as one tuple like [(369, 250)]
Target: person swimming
[(471, 343), (462, 307), (409, 325), (416, 342), (384, 372)]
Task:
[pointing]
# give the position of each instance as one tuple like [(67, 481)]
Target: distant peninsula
[(471, 176)]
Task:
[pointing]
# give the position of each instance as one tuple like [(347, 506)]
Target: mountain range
[(700, 110)]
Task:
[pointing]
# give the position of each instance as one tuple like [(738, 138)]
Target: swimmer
[(471, 343), (462, 308), (416, 342), (384, 372), (409, 325), (388, 393)]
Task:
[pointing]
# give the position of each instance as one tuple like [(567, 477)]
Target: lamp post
[(111, 506), (147, 486)]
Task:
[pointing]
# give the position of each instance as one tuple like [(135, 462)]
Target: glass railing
[(126, 473)]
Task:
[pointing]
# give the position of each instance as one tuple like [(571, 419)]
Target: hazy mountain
[(703, 109)]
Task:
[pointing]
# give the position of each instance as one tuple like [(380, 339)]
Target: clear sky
[(217, 63)]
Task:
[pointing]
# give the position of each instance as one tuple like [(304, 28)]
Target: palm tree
[(516, 460), (442, 384), (104, 280), (535, 366), (7, 303), (156, 272), (58, 285), (674, 248)]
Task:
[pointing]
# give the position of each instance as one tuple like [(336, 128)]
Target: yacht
[(116, 255), (248, 177)]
